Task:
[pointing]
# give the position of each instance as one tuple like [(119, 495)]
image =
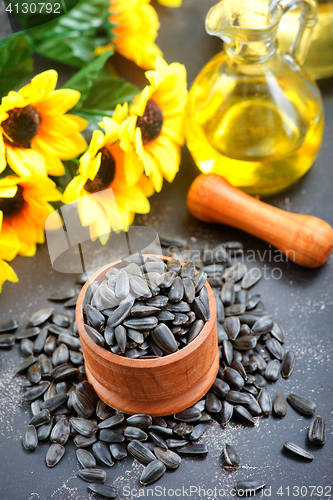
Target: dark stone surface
[(301, 300)]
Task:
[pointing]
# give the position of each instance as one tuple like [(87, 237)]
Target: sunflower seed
[(8, 326), (251, 278), (40, 316), (238, 398), (102, 453), (213, 404), (85, 458), (30, 438), (247, 487), (233, 378), (84, 442), (295, 448), (168, 457), (41, 418), (225, 413), (288, 364), (164, 338), (194, 449), (118, 451), (141, 452), (230, 456), (317, 430), (280, 405), (84, 427), (103, 490), (35, 391), (110, 436), (275, 349), (152, 472), (265, 401), (303, 405), (244, 414), (188, 415), (92, 475), (232, 327), (220, 388)]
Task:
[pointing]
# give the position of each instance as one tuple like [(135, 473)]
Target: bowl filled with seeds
[(148, 332)]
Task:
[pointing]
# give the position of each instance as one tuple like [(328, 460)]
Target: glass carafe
[(319, 61), (253, 115)]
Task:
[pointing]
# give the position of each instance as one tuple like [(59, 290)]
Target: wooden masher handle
[(306, 240)]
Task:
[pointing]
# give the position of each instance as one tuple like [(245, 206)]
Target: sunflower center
[(21, 126), (12, 206), (151, 122), (105, 174)]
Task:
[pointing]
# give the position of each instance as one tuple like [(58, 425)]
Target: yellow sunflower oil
[(319, 61), (253, 115)]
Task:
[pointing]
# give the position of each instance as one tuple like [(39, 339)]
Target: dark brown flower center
[(151, 122), (105, 174), (12, 206), (21, 126)]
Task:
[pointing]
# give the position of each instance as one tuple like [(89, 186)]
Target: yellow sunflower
[(101, 169), (35, 132), (135, 29), (154, 131), (170, 3), (25, 207), (9, 246)]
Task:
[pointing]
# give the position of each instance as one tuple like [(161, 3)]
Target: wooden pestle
[(306, 240)]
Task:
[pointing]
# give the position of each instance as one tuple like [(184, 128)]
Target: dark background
[(302, 301)]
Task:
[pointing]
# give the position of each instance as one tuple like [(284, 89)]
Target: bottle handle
[(307, 21)]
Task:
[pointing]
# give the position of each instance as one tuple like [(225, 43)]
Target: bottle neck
[(251, 52)]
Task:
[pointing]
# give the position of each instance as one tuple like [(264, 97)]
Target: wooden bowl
[(155, 386)]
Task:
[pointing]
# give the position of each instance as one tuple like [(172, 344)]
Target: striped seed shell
[(62, 295), (131, 433), (85, 458), (298, 450), (233, 378), (280, 405), (194, 449), (102, 453), (8, 326), (263, 325), (152, 472), (84, 442), (168, 457), (277, 332), (317, 430), (122, 287), (272, 371), (36, 391), (249, 486), (118, 451), (225, 413), (140, 451), (139, 287), (40, 316), (104, 490), (95, 335), (275, 348), (303, 405), (84, 427), (30, 438), (110, 436), (265, 401), (189, 415), (164, 338), (230, 456), (232, 327), (244, 414), (40, 418), (54, 454), (60, 432), (141, 420), (112, 421), (251, 278), (92, 475), (288, 364)]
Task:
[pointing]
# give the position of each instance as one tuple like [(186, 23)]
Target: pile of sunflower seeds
[(64, 404), (148, 308)]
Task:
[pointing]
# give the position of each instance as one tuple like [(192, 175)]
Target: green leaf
[(15, 62), (83, 80), (105, 93), (108, 91), (72, 38)]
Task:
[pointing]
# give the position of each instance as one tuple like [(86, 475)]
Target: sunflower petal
[(7, 273), (58, 102), (26, 161), (9, 243)]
